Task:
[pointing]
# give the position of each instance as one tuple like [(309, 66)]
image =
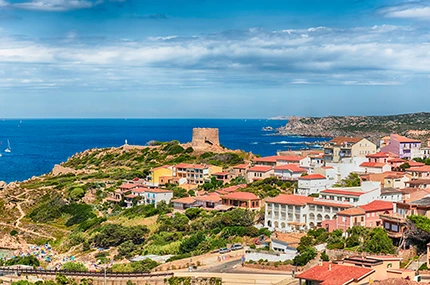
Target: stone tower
[(204, 138)]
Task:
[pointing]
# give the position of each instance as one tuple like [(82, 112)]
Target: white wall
[(271, 257)]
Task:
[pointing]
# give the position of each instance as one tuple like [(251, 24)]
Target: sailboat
[(8, 149)]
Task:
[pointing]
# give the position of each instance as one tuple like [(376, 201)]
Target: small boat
[(8, 149)]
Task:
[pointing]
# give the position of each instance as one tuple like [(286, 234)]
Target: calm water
[(39, 144)]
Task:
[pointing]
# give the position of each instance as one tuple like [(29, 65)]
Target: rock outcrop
[(372, 127)]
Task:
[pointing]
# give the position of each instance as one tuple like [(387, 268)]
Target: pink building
[(403, 147), (366, 216)]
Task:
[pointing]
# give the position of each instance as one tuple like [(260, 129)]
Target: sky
[(213, 58)]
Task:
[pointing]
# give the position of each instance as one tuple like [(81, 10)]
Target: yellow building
[(346, 147), (160, 172)]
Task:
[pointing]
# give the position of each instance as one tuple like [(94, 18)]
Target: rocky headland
[(372, 127)]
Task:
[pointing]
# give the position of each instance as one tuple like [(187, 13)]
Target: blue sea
[(39, 144)]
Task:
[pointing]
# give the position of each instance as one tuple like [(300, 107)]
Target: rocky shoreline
[(372, 127)]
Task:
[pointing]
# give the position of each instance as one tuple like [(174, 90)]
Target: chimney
[(329, 267)]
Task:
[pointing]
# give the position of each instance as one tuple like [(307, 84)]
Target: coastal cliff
[(364, 126)]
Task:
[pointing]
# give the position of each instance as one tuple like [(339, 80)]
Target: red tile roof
[(290, 200), (162, 167), (291, 167), (209, 198), (373, 164), (378, 155), (128, 186), (397, 160), (187, 165), (260, 169), (140, 190), (290, 158), (335, 274), (157, 190), (403, 139), (185, 200), (352, 212), (377, 205), (312, 177), (342, 192), (242, 196), (425, 168), (414, 163), (327, 167), (266, 159), (241, 166)]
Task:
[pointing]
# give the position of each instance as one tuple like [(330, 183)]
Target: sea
[(38, 144)]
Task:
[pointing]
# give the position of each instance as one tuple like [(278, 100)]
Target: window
[(395, 228), (373, 214), (387, 225), (343, 219), (362, 219)]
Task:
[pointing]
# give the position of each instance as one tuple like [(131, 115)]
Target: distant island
[(363, 126)]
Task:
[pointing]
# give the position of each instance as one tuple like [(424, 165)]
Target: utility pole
[(105, 275)]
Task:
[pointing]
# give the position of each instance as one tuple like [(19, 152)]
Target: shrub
[(74, 266), (23, 260), (13, 232)]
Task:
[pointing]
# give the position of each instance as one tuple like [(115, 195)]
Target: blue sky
[(213, 58)]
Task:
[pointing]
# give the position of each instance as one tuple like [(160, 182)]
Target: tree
[(378, 242), (74, 266), (126, 249), (193, 213), (238, 217), (305, 256), (191, 243), (353, 180), (324, 256), (23, 260)]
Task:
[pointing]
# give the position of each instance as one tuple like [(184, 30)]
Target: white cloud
[(378, 55), (419, 12), (53, 5)]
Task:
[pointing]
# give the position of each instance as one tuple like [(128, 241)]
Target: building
[(224, 177), (356, 270), (155, 196), (391, 194), (346, 147), (286, 213), (375, 167), (289, 172), (158, 175), (345, 166), (335, 274), (418, 183), (278, 160), (419, 172), (356, 196), (366, 216), (312, 184), (259, 172), (285, 243), (240, 170), (387, 179), (244, 200), (403, 147), (184, 203), (196, 174), (381, 157)]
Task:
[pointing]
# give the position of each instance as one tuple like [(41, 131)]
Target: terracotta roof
[(185, 200), (342, 140), (397, 160), (312, 177), (130, 196), (356, 211), (414, 163), (398, 281), (183, 165), (418, 182), (289, 238), (425, 168), (241, 166), (266, 159), (157, 190), (129, 186), (290, 200), (403, 139), (373, 164), (209, 198), (377, 205), (378, 155), (195, 166), (162, 167), (243, 196), (260, 169), (342, 192), (327, 167), (335, 274), (139, 190), (291, 167), (220, 173)]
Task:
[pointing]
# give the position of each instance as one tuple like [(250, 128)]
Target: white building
[(356, 196), (391, 195), (287, 213), (289, 172), (346, 166), (374, 167), (148, 196), (312, 184)]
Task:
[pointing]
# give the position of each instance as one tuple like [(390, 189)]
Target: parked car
[(224, 250), (236, 246)]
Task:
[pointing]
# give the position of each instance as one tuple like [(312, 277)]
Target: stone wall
[(205, 138)]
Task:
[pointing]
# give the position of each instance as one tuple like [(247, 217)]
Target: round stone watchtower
[(204, 138)]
